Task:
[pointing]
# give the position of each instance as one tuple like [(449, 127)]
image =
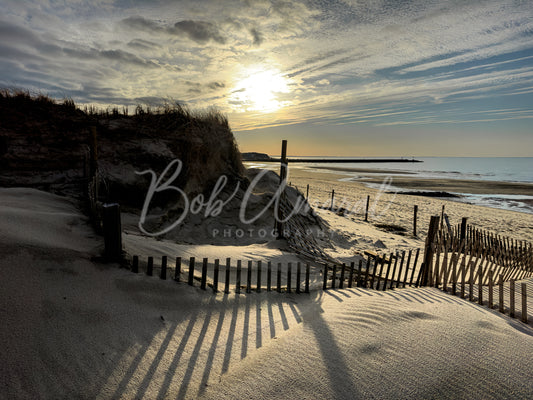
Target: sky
[(337, 78)]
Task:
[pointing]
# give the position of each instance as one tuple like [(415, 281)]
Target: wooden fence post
[(258, 289), (249, 277), (429, 249), (307, 195), (341, 280), (163, 274), (334, 276), (463, 228), (282, 179), (324, 286), (150, 266), (289, 277), (350, 277), (279, 278), (238, 280), (269, 276), (203, 282), (367, 205), (228, 266), (177, 270), (112, 231), (191, 271), (512, 298), (491, 283), (298, 277), (215, 275), (307, 268), (500, 295), (135, 264), (332, 199)]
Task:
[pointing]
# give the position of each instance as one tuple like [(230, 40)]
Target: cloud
[(141, 24), (200, 31), (257, 36), (141, 44)]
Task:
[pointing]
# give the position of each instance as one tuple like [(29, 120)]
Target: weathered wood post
[(307, 195), (203, 281), (278, 276), (227, 277), (282, 179), (238, 279), (307, 273), (332, 199), (258, 288), (112, 231), (177, 270), (414, 219), (249, 277), (215, 275), (429, 249), (367, 205), (289, 277), (163, 274), (150, 266), (511, 298), (269, 276), (191, 271), (135, 264), (463, 228)]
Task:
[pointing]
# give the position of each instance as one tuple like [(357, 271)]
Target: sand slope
[(72, 328)]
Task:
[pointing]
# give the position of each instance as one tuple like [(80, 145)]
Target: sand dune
[(73, 328)]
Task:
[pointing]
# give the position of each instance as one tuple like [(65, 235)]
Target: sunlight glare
[(259, 89)]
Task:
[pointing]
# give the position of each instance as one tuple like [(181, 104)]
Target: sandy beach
[(77, 328), (398, 209)]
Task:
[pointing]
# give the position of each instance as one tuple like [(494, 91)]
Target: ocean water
[(498, 169)]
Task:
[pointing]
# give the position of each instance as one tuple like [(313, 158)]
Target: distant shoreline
[(335, 160)]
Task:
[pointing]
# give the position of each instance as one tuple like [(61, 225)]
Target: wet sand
[(439, 185)]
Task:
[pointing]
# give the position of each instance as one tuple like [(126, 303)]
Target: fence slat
[(298, 277), (491, 298), (163, 274), (350, 277), (307, 273), (249, 277), (228, 268), (500, 295), (512, 298), (258, 289), (191, 271), (238, 279), (135, 264), (524, 303), (215, 275), (269, 276), (400, 270), (177, 270), (203, 282), (150, 266), (279, 278)]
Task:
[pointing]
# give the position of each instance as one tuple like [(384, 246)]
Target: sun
[(259, 90)]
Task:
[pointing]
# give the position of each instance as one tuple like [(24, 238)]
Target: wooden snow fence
[(237, 276), (478, 265), (380, 272)]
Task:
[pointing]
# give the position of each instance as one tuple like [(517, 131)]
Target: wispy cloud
[(345, 62)]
